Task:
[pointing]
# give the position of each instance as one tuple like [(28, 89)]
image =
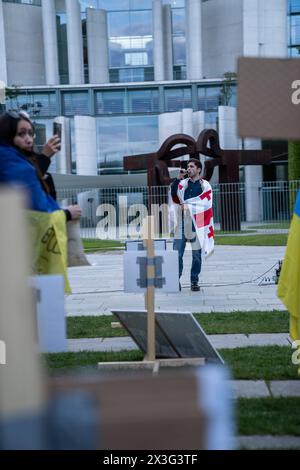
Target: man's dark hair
[(196, 162)]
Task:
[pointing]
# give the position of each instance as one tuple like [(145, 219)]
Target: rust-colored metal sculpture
[(158, 163)]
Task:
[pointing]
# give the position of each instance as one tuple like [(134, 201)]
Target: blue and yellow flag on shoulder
[(49, 243), (289, 282)]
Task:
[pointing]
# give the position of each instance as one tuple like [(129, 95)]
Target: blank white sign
[(50, 309), (170, 271)]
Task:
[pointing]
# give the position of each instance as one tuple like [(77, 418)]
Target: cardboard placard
[(269, 98)]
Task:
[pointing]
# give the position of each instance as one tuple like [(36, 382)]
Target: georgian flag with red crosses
[(201, 211)]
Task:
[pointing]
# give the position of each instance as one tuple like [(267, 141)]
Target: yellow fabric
[(289, 283), (49, 242)]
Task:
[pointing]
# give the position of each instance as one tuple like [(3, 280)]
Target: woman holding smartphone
[(20, 165)]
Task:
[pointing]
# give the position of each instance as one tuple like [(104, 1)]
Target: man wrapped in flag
[(193, 218), (289, 282)]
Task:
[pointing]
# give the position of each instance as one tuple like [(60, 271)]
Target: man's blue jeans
[(179, 245)]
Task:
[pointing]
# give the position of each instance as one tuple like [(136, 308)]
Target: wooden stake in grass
[(22, 385), (148, 236)]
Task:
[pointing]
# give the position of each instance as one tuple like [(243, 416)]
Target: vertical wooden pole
[(22, 385), (150, 294)]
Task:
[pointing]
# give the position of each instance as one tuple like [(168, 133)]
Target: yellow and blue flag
[(289, 282), (49, 242)]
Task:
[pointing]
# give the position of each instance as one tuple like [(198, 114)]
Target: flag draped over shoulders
[(201, 212), (47, 222), (16, 170), (49, 244), (289, 282)]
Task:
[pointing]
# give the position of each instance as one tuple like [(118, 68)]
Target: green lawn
[(282, 225), (268, 416), (88, 358), (253, 240), (243, 240), (263, 362), (100, 245), (244, 322), (253, 363), (212, 323), (93, 327), (221, 232)]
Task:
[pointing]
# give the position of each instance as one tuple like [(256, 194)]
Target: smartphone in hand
[(57, 129)]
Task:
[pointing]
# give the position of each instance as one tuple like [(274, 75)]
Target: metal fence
[(117, 212)]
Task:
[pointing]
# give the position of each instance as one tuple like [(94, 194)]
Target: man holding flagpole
[(192, 197)]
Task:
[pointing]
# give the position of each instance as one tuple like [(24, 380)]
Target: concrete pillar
[(97, 41), (253, 180), (169, 124), (227, 132), (194, 39), (265, 28), (63, 158), (187, 122), (158, 41), (50, 42), (275, 27), (86, 145), (75, 44), (198, 123), (253, 174), (168, 46), (228, 128), (3, 67)]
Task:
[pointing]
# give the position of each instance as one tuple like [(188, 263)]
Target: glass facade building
[(126, 116), (128, 104), (294, 28)]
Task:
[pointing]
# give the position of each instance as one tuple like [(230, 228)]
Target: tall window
[(124, 135), (177, 98), (179, 43), (85, 48), (294, 28), (130, 44), (76, 102), (36, 104), (61, 26)]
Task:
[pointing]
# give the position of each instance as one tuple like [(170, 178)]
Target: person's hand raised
[(52, 146), (75, 211), (182, 173)]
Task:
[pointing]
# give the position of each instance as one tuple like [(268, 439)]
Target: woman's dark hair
[(9, 125), (8, 131)]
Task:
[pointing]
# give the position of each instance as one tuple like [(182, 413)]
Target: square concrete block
[(249, 389), (285, 388)]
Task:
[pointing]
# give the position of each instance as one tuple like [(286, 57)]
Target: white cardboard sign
[(169, 271), (50, 310)]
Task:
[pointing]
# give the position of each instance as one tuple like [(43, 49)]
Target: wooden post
[(22, 388), (150, 294)]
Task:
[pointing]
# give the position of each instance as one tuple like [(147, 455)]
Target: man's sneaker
[(195, 287)]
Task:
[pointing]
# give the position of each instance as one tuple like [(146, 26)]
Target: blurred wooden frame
[(143, 412), (269, 98)]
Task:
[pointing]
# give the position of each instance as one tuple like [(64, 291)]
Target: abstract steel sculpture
[(158, 163)]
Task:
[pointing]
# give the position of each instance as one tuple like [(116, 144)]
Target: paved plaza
[(98, 289), (225, 288)]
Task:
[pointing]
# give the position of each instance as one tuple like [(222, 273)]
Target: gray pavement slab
[(218, 341), (101, 344), (268, 442), (286, 388), (99, 288), (269, 339), (249, 389), (241, 341)]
